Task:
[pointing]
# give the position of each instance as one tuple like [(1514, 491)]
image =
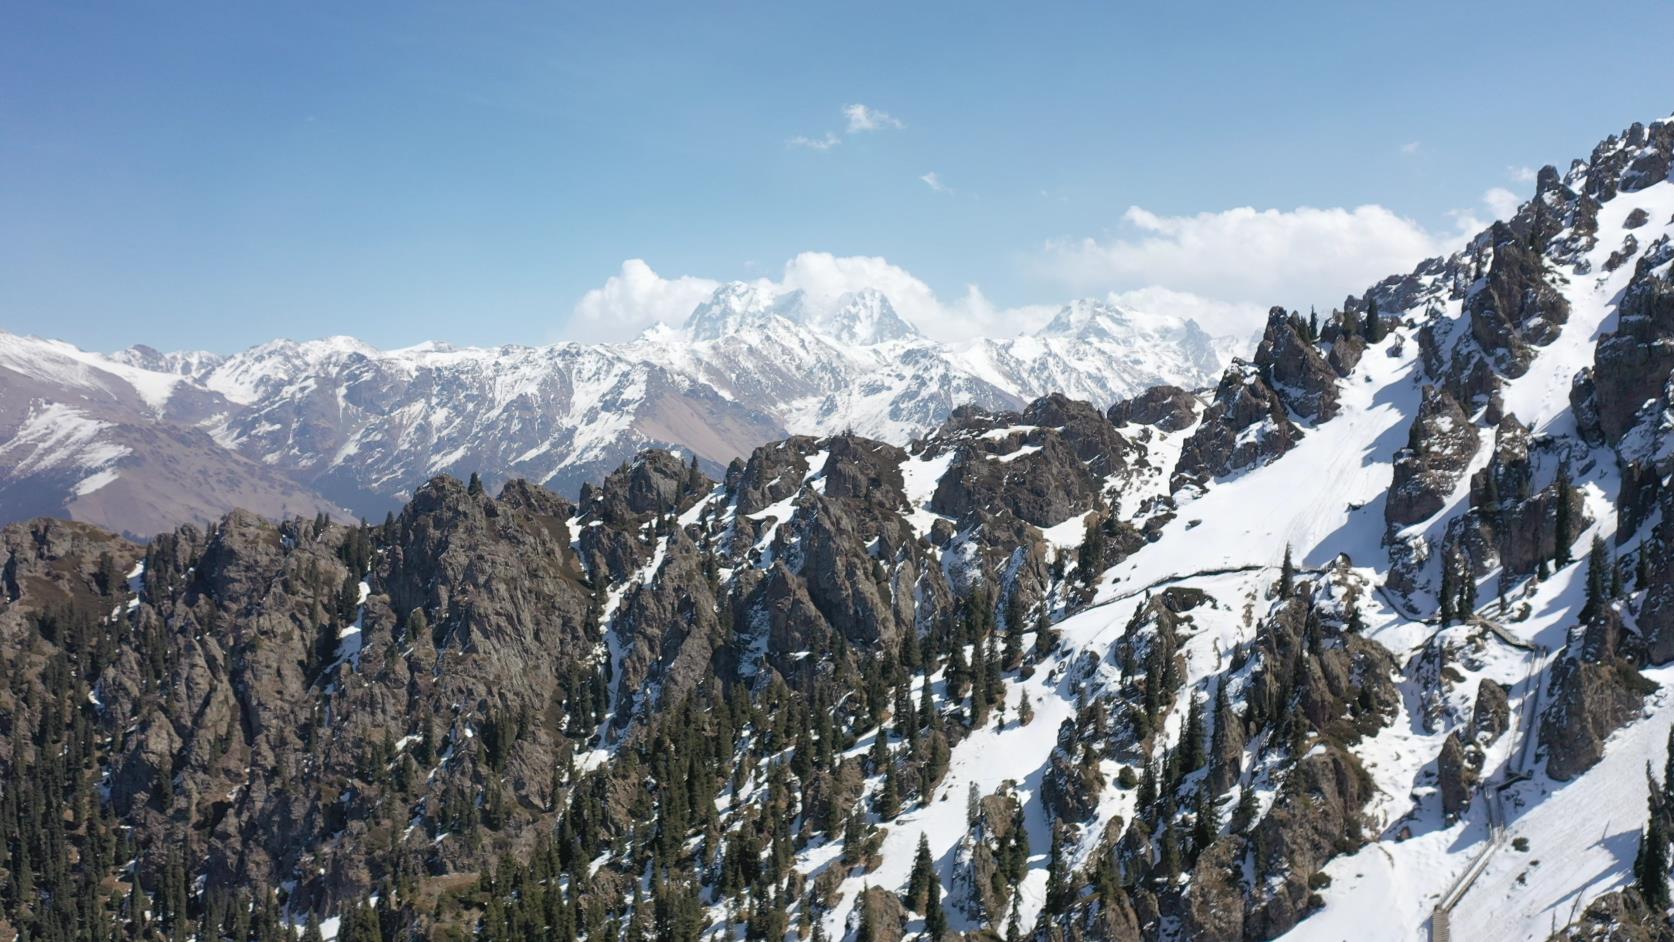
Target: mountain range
[(139, 440), (1372, 638)]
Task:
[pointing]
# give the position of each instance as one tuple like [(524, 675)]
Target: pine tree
[(889, 800), (1449, 595), (1244, 814), (1191, 738), (1564, 527), (474, 488), (1208, 824), (1287, 575), (1650, 866), (1046, 637), (924, 871), (935, 918), (1374, 324), (1599, 568)]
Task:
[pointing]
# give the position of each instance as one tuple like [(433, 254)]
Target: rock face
[(1454, 777), (1440, 445), (1621, 916), (1246, 425), (1169, 408), (1517, 308), (1631, 364), (1316, 816), (1506, 525), (1504, 317), (1656, 612), (1295, 368), (1491, 716), (1043, 473), (880, 915), (1595, 690)]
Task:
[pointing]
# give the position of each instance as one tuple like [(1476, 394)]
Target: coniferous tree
[(1287, 575), (1563, 527), (1046, 637), (1650, 866), (1599, 568), (935, 918), (1208, 823), (924, 871)]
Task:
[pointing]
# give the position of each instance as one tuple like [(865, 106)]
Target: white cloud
[(1522, 174), (1410, 148), (1501, 202), (934, 182), (1248, 257), (825, 143), (633, 299), (1221, 318), (637, 297), (861, 118)]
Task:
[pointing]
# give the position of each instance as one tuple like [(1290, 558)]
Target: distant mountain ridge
[(336, 424)]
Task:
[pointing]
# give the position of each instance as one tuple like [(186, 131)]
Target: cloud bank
[(1223, 269), (637, 297)]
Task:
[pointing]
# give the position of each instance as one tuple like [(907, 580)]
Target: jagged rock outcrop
[(1246, 425), (1655, 618), (1506, 525), (1595, 689), (1454, 777), (1317, 814), (1294, 367), (1517, 308), (1621, 916), (880, 913), (1169, 408), (1043, 466), (1491, 715), (1632, 363), (1440, 445)]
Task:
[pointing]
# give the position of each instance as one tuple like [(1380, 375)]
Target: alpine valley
[(1097, 633)]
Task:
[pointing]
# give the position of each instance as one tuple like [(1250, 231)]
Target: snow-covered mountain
[(361, 426), (1373, 641)]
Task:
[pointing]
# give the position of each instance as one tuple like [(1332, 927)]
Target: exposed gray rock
[(1246, 425), (1454, 777), (1295, 368), (1491, 716), (1440, 445), (1169, 408), (1594, 691)]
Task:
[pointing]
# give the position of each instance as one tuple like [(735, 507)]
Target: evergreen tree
[(1287, 575), (1208, 823), (935, 918), (924, 871), (1599, 568), (1650, 866), (1564, 527)]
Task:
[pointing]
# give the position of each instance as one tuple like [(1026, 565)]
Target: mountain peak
[(740, 304), (1089, 319), (863, 317)]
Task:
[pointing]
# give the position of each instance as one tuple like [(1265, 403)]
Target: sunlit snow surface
[(1325, 498)]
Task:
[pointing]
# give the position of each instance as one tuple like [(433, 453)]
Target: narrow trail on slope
[(1517, 770)]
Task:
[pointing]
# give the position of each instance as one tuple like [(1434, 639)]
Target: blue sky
[(213, 175)]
